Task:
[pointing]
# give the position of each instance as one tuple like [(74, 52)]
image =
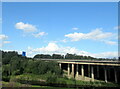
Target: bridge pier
[(77, 70), (92, 73), (102, 71), (68, 69), (82, 71), (60, 65), (73, 70), (105, 71)]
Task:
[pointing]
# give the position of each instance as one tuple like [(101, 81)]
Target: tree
[(57, 56), (6, 56), (6, 72), (15, 64), (42, 56)]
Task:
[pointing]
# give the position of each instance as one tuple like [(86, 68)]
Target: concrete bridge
[(90, 70), (108, 71)]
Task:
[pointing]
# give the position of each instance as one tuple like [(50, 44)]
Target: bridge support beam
[(77, 70), (105, 74), (115, 76), (73, 70), (92, 73), (82, 71), (68, 69), (60, 65)]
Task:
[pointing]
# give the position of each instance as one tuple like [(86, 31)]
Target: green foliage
[(42, 67), (51, 79), (57, 56), (61, 81), (6, 70), (53, 67), (16, 65), (42, 56), (69, 56), (6, 56), (47, 56), (16, 72)]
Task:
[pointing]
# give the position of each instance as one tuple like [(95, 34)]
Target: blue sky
[(83, 28)]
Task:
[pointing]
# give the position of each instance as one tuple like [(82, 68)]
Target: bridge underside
[(88, 72)]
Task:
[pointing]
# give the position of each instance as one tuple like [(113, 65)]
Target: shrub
[(6, 78), (51, 79)]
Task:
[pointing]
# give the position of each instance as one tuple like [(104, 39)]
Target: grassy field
[(14, 84), (59, 80)]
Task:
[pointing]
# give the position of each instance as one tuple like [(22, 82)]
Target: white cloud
[(96, 34), (51, 47), (111, 42), (39, 34), (116, 27), (75, 28), (6, 42), (54, 48), (3, 37), (29, 29), (107, 54), (25, 27), (64, 40)]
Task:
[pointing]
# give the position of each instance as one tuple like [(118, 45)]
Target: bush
[(51, 79), (66, 78), (17, 72), (6, 78), (61, 81)]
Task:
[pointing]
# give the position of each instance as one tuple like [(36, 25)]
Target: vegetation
[(33, 80), (14, 64), (69, 56), (28, 71)]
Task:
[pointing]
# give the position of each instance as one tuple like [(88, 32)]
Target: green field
[(15, 81)]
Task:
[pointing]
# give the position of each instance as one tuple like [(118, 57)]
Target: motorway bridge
[(90, 70)]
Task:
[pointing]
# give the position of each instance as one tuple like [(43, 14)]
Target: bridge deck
[(88, 62)]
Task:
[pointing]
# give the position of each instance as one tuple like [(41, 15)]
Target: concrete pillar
[(115, 76), (88, 70), (105, 75), (73, 70), (60, 65), (92, 73), (97, 71), (82, 70), (77, 70), (68, 69)]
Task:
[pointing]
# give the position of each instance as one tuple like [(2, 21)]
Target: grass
[(87, 83), (14, 84), (62, 80), (31, 77)]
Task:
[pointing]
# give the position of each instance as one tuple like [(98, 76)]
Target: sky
[(83, 28), (60, 0)]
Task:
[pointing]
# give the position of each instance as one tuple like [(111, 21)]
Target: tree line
[(69, 56), (15, 64)]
